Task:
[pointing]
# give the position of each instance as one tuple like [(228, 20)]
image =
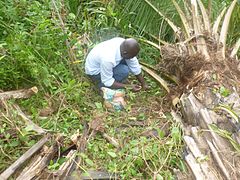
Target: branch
[(18, 94), (28, 122), (18, 163)]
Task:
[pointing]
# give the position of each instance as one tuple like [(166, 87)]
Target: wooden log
[(18, 94), (199, 139), (36, 168), (28, 122), (207, 119), (81, 143), (195, 167), (27, 155), (219, 161), (111, 140), (190, 107), (64, 168), (206, 169), (221, 165)]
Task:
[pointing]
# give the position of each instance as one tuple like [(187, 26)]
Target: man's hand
[(142, 81), (145, 87), (136, 88)]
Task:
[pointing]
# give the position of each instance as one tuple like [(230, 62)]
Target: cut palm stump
[(208, 88)]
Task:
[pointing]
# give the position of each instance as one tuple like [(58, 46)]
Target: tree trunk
[(208, 88)]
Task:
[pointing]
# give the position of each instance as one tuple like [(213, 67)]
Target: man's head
[(129, 48)]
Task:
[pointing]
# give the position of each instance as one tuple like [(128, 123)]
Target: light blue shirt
[(104, 57)]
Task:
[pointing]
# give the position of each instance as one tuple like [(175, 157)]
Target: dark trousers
[(120, 73)]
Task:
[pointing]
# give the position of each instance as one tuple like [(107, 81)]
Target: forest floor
[(149, 141)]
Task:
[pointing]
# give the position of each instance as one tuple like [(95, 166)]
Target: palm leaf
[(186, 25), (147, 19), (224, 30), (162, 82), (171, 24), (235, 49), (206, 20), (201, 44), (217, 23)]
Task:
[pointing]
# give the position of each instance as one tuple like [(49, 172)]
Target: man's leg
[(120, 72)]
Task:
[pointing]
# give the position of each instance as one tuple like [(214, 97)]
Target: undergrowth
[(33, 53)]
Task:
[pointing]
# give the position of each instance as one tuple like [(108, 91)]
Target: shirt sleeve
[(134, 66), (106, 72)]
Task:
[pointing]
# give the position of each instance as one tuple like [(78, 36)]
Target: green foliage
[(32, 45), (142, 20), (140, 157), (14, 140), (100, 18), (146, 21), (224, 92)]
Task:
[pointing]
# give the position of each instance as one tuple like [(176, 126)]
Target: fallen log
[(28, 122), (81, 142), (206, 168), (195, 167), (65, 167), (42, 161), (219, 161), (18, 94), (220, 164), (26, 156)]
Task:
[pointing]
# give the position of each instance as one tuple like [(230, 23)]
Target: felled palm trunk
[(208, 74)]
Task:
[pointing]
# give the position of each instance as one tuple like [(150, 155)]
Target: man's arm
[(118, 85), (135, 68), (142, 81)]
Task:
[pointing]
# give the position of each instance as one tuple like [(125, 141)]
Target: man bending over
[(110, 62)]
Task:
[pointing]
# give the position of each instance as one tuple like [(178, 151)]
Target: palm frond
[(171, 24), (186, 25), (235, 49), (148, 20), (225, 25), (201, 44), (217, 23), (162, 82), (206, 20)]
